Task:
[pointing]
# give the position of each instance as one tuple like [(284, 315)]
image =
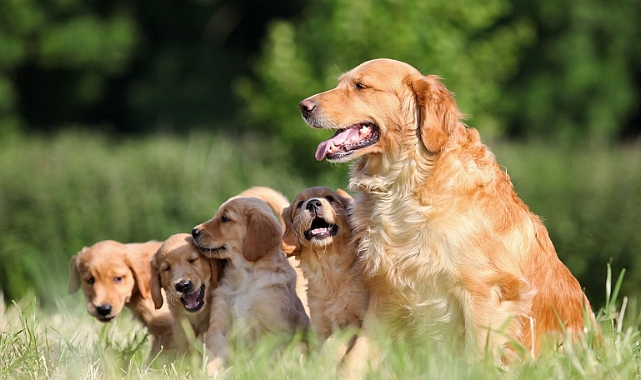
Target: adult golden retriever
[(115, 275), (189, 280), (257, 294), (453, 254), (318, 231)]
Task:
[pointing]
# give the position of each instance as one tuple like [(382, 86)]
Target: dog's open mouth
[(106, 319), (194, 301), (347, 140), (320, 229)]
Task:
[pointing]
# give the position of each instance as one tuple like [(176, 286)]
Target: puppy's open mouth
[(320, 230), (105, 319), (194, 301), (347, 140)]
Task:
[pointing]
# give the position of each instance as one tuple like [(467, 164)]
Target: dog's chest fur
[(412, 274)]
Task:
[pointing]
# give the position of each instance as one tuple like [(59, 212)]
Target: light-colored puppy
[(278, 202), (115, 275), (257, 295), (189, 280), (453, 254), (318, 232)]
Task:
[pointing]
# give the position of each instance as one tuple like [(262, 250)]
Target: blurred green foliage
[(460, 41), (581, 79), (62, 193)]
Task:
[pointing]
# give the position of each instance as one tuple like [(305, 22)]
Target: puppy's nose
[(313, 205), (183, 286), (195, 233), (103, 310), (307, 107)]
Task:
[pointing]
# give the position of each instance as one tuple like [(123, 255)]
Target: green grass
[(68, 344)]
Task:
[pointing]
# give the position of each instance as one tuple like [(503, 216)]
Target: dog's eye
[(224, 219), (191, 261), (91, 280), (330, 198), (359, 86), (168, 267), (300, 204), (117, 279)]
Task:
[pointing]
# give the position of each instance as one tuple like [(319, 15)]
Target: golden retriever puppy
[(115, 275), (257, 294), (452, 253), (278, 202), (318, 232), (189, 280)]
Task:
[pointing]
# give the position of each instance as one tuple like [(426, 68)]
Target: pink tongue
[(191, 299), (321, 151), (349, 134)]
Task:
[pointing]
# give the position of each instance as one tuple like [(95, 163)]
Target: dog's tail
[(276, 200)]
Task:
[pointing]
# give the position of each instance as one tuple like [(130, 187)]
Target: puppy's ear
[(263, 234), (438, 113), (344, 194), (290, 244), (154, 283), (138, 263), (346, 200), (216, 267), (74, 276)]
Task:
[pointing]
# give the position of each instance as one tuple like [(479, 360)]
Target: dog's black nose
[(103, 310), (307, 107), (195, 232), (183, 286), (313, 205)]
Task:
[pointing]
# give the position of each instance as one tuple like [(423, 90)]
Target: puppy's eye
[(91, 280), (300, 204), (118, 279), (167, 268), (330, 198), (224, 219), (191, 261), (359, 86)]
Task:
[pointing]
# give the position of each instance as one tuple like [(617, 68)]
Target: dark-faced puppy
[(318, 232), (115, 275), (189, 280), (257, 295)]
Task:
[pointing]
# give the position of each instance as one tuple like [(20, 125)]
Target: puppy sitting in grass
[(114, 276), (189, 280), (318, 232), (257, 295)]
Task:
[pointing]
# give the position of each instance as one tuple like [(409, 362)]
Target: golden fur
[(451, 250), (278, 202), (115, 275), (318, 232), (257, 294), (189, 280)]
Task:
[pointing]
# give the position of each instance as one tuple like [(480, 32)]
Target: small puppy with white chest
[(257, 295)]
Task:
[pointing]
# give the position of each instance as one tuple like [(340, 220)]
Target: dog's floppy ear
[(138, 263), (263, 234), (290, 244), (438, 113), (74, 276), (347, 201), (154, 283)]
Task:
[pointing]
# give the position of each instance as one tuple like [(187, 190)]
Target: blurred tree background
[(558, 80)]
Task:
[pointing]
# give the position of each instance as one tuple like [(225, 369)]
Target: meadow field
[(61, 192)]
